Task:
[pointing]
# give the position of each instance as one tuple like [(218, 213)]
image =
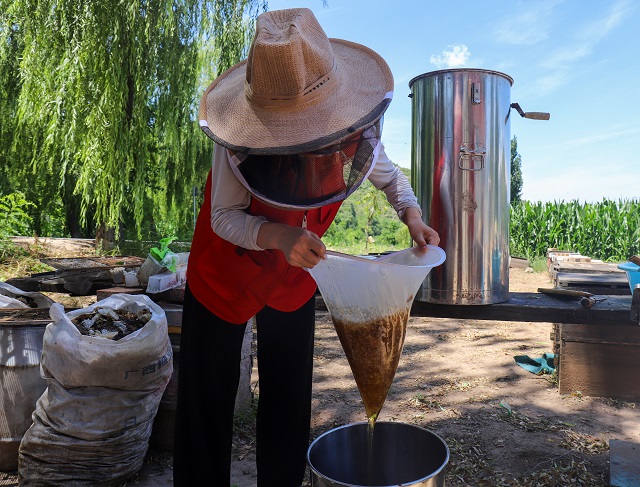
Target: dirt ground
[(504, 426), (458, 378)]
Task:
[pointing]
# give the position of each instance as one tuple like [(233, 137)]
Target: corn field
[(608, 230)]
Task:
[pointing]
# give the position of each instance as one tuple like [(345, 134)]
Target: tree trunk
[(71, 205), (72, 221), (105, 239)]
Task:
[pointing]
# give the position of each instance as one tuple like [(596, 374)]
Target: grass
[(16, 261), (539, 264), (244, 419), (21, 266)]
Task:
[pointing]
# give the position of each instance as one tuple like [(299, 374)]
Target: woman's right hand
[(300, 247)]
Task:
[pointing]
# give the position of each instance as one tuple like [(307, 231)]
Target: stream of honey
[(373, 350)]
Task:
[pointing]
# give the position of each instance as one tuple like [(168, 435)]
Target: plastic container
[(149, 268), (369, 301), (360, 288), (633, 274), (165, 279), (131, 279)]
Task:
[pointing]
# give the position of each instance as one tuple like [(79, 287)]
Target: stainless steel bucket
[(460, 171), (403, 454)]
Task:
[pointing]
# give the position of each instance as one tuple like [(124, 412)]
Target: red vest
[(235, 283)]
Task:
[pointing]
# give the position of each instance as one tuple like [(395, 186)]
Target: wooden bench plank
[(536, 307)]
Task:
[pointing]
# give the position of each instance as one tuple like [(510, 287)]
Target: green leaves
[(159, 253), (516, 172), (14, 219), (98, 99), (608, 230)]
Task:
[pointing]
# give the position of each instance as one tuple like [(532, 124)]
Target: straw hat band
[(320, 88), (321, 141)]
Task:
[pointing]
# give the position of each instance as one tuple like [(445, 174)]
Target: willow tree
[(104, 102)]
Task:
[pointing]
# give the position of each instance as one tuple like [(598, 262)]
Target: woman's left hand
[(421, 233)]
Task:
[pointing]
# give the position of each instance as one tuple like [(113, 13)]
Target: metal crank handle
[(537, 115), (531, 115)]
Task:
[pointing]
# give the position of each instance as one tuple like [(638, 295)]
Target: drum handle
[(472, 153)]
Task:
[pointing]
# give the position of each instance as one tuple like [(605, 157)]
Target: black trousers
[(208, 376)]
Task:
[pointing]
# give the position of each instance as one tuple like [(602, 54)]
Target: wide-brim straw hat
[(297, 90)]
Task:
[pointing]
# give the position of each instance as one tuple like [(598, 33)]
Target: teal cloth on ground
[(542, 365)]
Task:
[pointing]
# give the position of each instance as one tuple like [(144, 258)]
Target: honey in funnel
[(369, 301), (373, 349)]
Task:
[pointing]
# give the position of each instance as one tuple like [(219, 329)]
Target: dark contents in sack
[(27, 301), (112, 323)]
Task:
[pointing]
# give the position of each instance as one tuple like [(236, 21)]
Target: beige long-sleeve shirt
[(230, 199)]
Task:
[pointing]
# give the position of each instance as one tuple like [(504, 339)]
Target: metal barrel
[(460, 172), (400, 454), (20, 385)]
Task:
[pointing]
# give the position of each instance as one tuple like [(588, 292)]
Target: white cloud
[(559, 67), (547, 83), (599, 29), (529, 26), (588, 36), (616, 133), (561, 57), (458, 56), (590, 188)]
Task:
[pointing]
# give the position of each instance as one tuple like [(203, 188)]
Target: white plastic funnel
[(360, 288), (369, 301)]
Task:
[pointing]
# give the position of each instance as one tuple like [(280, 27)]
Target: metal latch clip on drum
[(475, 154)]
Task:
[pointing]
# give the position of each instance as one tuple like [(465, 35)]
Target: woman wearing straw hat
[(296, 129)]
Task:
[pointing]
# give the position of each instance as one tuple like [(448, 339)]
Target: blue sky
[(578, 60)]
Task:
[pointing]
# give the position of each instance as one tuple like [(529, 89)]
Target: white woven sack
[(92, 424), (135, 362)]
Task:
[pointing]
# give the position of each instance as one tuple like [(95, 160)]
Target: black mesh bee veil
[(311, 179)]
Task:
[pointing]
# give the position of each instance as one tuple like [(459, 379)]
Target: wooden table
[(538, 308)]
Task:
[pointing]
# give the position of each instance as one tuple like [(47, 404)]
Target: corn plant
[(608, 230)]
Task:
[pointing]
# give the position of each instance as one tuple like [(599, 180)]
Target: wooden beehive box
[(596, 359), (571, 270), (599, 360)]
